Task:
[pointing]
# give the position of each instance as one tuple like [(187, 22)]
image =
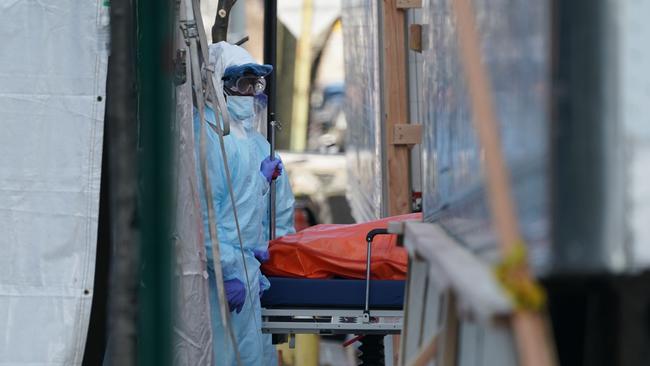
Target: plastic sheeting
[(634, 97), (515, 42), (363, 111), (192, 332), (52, 91)]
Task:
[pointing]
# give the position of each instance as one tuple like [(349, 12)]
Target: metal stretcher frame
[(352, 320)]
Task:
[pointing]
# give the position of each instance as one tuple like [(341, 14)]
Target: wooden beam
[(426, 353), (396, 108), (450, 331)]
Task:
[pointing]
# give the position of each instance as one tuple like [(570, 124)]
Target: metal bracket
[(277, 125), (180, 67), (415, 37), (190, 30), (366, 317), (220, 27), (409, 4), (407, 134)]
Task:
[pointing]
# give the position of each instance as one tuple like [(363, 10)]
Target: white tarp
[(634, 59), (52, 91)]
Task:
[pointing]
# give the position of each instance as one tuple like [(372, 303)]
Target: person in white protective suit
[(240, 78)]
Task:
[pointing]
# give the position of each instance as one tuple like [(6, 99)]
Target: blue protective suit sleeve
[(219, 194), (284, 196), (284, 209)]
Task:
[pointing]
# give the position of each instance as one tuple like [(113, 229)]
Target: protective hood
[(222, 56)]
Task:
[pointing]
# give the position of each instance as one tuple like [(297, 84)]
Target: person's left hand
[(235, 294), (271, 169)]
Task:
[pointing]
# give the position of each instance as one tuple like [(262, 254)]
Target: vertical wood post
[(396, 107)]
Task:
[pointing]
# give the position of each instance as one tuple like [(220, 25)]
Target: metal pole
[(368, 256), (272, 193), (369, 238), (121, 114), (270, 45), (155, 35), (270, 56)]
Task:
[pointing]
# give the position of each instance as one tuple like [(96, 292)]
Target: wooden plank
[(456, 268), (409, 4), (415, 37), (396, 108), (425, 354), (414, 308), (450, 331)]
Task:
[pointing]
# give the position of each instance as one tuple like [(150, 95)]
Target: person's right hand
[(235, 294)]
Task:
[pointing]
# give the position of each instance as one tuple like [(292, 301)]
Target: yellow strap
[(524, 291)]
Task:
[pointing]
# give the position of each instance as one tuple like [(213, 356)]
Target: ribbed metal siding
[(515, 40), (361, 27)]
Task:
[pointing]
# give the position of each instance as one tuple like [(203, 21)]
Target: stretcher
[(334, 306)]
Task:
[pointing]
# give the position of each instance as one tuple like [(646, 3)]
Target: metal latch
[(189, 29), (180, 67)]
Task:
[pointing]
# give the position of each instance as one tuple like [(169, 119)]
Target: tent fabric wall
[(635, 109), (52, 92), (363, 112), (192, 340)]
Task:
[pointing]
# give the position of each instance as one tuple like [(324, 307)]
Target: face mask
[(241, 108)]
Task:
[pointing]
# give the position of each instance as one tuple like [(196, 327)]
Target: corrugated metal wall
[(576, 161), (635, 99), (515, 40), (361, 32)]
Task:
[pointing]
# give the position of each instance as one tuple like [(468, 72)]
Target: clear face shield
[(246, 84), (261, 108), (246, 100)]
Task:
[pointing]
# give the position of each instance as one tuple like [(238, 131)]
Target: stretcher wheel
[(371, 350), (279, 338)]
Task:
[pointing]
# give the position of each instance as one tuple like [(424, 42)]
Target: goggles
[(244, 85)]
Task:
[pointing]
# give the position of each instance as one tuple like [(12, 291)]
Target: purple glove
[(262, 255), (271, 169), (236, 294)]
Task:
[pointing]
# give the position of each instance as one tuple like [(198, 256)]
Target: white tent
[(52, 93)]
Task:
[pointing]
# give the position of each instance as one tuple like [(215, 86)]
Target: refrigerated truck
[(570, 88)]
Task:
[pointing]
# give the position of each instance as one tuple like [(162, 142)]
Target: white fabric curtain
[(52, 92)]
